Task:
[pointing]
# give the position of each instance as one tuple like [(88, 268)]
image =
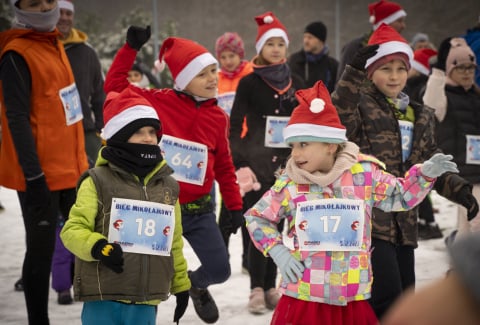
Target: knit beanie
[(126, 112), (269, 26), (419, 37), (460, 54), (315, 119), (230, 42), (317, 29), (66, 4), (384, 12)]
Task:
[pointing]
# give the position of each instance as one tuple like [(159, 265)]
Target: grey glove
[(290, 268), (438, 164)]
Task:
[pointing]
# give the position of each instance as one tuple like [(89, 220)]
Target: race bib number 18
[(142, 227)]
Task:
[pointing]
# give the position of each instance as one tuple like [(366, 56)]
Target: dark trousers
[(224, 225), (425, 210), (203, 234), (40, 242), (393, 272), (262, 270)]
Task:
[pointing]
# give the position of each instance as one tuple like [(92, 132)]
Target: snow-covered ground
[(231, 296)]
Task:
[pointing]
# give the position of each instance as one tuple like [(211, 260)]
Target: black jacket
[(324, 69)]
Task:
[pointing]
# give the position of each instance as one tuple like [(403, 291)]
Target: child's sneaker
[(272, 296), (204, 304), (256, 302)]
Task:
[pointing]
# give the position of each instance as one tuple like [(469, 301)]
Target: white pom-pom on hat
[(268, 19), (317, 105), (159, 66), (372, 19)]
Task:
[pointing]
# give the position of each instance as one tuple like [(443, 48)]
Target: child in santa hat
[(195, 144), (230, 53), (326, 193), (265, 99), (117, 269), (383, 122)]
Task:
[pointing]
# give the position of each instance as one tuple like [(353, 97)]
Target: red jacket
[(60, 148), (182, 117)]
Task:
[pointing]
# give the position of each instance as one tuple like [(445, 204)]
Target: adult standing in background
[(313, 62), (43, 150), (87, 71), (383, 11)]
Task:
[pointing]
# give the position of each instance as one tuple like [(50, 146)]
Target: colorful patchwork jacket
[(334, 277)]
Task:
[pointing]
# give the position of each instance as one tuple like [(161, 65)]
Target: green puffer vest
[(145, 277)]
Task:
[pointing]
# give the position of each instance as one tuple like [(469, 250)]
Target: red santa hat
[(421, 60), (269, 26), (66, 4), (391, 43), (384, 12), (126, 112), (185, 59), (315, 118)]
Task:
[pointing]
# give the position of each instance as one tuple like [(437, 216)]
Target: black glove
[(137, 36), (237, 220), (182, 303), (37, 194), (362, 55), (466, 198), (110, 254), (442, 54)]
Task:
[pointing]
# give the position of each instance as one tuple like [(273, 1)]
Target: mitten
[(442, 54), (237, 220), (110, 254), (466, 198), (290, 268), (182, 304), (137, 36), (37, 194), (247, 180), (362, 55), (438, 164)]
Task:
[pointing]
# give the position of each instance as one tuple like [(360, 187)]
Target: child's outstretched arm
[(116, 78), (397, 194)]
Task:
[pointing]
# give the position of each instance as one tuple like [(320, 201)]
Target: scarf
[(44, 21), (344, 161), (316, 57), (135, 158), (277, 76), (233, 74)]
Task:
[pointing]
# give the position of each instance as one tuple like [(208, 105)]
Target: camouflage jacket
[(372, 124)]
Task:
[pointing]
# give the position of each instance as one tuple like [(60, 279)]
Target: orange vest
[(226, 85), (60, 148)]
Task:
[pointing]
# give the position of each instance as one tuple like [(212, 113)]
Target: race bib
[(142, 227), (406, 131), (473, 150), (330, 225), (188, 159), (225, 101), (274, 131), (71, 104)]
